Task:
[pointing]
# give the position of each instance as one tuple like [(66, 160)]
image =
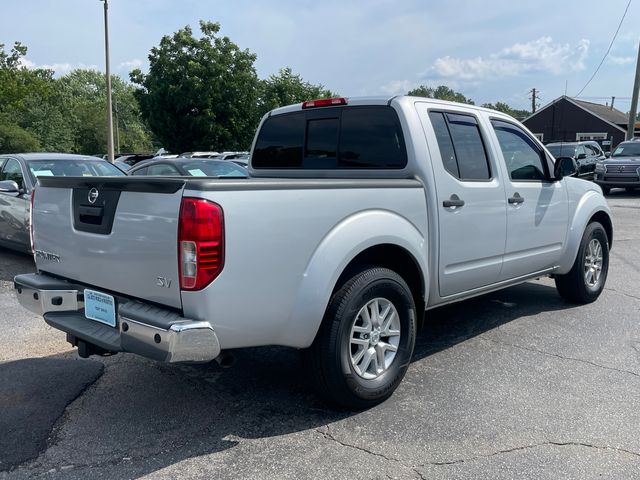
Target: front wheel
[(366, 340), (585, 281)]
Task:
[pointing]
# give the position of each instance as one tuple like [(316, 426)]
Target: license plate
[(100, 307)]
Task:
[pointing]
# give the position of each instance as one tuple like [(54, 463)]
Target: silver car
[(19, 175)]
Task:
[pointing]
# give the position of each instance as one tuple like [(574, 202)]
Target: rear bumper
[(143, 329)]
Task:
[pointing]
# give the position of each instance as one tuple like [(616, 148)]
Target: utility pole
[(108, 75), (613, 99), (634, 100), (534, 96), (115, 108)]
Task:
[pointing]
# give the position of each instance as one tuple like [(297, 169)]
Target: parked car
[(189, 167), (125, 162), (365, 214), (621, 170), (582, 152), (596, 148), (19, 174), (198, 154)]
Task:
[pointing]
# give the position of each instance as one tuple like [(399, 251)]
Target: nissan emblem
[(93, 195)]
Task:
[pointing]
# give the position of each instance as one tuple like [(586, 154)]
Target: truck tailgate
[(115, 234)]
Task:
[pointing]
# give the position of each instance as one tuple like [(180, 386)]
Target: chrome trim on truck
[(178, 340)]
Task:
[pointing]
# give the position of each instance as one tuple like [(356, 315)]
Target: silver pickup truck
[(360, 216)]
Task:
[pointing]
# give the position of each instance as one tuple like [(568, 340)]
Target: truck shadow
[(141, 416), (14, 263)]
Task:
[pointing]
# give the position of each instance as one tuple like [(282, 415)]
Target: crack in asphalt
[(622, 293), (329, 436), (549, 354), (535, 445)]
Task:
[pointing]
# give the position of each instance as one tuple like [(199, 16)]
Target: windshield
[(562, 150), (630, 149), (73, 168), (211, 168)]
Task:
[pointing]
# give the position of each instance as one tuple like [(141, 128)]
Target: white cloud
[(58, 68), (398, 87), (622, 60), (130, 64), (541, 55)]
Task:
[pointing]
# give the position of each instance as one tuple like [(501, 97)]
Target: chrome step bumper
[(143, 329)]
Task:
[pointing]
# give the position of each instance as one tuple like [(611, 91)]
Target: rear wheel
[(585, 281), (366, 340)]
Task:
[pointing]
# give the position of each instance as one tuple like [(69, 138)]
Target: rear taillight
[(200, 243), (31, 231), (324, 102)]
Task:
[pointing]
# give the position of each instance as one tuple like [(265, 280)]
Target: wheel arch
[(380, 237), (591, 207)]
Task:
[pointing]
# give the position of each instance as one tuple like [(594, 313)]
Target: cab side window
[(12, 171), (524, 159), (461, 146)]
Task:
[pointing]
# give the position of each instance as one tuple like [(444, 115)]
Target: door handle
[(516, 199), (454, 201)]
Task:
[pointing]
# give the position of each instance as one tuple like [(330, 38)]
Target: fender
[(590, 203), (342, 244)]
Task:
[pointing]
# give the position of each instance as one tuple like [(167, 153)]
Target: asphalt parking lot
[(509, 385)]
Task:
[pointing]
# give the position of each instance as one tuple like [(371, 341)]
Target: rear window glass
[(73, 168), (280, 142), (213, 168), (355, 138)]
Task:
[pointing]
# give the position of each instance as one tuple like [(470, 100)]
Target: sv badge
[(163, 282)]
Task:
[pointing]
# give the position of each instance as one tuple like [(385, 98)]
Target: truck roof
[(384, 100)]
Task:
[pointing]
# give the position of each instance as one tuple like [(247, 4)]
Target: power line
[(608, 49)]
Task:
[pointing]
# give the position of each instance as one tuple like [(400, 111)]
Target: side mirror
[(607, 154), (9, 186), (582, 156), (564, 167)]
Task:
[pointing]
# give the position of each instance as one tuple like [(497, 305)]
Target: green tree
[(19, 83), (504, 108), (16, 139), (200, 93), (441, 92), (287, 88), (81, 97)]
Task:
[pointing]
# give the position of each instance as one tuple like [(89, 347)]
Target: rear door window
[(367, 137), (461, 146)]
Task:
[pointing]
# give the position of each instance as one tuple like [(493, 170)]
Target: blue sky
[(492, 50)]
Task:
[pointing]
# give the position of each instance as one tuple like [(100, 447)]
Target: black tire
[(573, 286), (606, 190), (330, 355)]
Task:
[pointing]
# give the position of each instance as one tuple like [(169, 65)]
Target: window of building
[(591, 136)]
